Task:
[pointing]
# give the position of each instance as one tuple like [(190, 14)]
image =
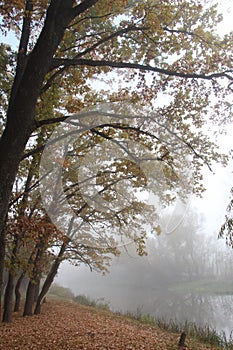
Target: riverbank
[(67, 325)]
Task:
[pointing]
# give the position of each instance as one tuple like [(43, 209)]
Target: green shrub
[(85, 300), (60, 292)]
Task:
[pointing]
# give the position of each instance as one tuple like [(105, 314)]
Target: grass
[(204, 334), (209, 287)]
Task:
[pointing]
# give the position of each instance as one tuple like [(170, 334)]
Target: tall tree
[(165, 46)]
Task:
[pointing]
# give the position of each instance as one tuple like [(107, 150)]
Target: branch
[(82, 7), (120, 32), (51, 79), (192, 34), (82, 38), (23, 47), (188, 144), (58, 62), (109, 37), (88, 17), (27, 190)]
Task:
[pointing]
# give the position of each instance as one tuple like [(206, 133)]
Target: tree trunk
[(12, 144), (28, 306), (37, 290), (8, 299), (2, 260), (49, 279), (17, 292), (25, 92)]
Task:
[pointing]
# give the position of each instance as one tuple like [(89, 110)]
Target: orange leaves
[(33, 234), (32, 229)]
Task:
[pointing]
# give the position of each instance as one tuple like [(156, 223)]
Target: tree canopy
[(145, 76)]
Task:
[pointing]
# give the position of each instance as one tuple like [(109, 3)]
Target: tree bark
[(49, 279), (2, 261), (37, 291), (17, 292), (8, 299), (35, 278), (28, 307)]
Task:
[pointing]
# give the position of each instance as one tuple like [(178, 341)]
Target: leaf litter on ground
[(69, 326)]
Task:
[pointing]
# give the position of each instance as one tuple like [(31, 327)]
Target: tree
[(227, 227), (65, 43)]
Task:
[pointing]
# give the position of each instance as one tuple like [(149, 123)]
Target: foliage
[(227, 228), (7, 64), (179, 55), (33, 235)]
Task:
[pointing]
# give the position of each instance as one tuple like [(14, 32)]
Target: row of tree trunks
[(8, 296), (33, 294)]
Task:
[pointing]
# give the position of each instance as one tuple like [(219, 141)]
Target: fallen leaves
[(74, 327)]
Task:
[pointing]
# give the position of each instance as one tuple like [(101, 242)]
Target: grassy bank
[(71, 326), (204, 334)]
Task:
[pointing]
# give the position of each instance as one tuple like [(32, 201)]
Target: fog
[(186, 276)]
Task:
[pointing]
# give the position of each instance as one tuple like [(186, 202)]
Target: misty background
[(187, 274)]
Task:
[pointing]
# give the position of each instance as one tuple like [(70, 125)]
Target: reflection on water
[(214, 311)]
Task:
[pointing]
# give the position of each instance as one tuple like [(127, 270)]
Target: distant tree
[(227, 227)]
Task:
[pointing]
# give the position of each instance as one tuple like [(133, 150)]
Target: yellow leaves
[(153, 20), (158, 230), (74, 105), (110, 6), (140, 242)]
